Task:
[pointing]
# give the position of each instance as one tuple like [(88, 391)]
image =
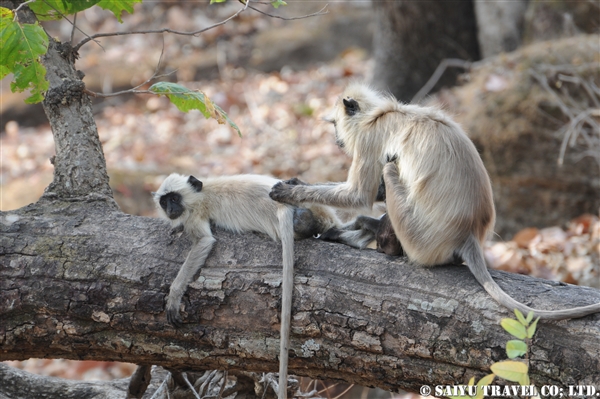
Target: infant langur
[(438, 193), (239, 204)]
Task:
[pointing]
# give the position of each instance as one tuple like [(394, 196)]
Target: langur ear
[(195, 183), (351, 106)]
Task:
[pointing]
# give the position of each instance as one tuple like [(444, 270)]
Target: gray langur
[(438, 193), (239, 204)]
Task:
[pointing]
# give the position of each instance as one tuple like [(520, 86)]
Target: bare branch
[(322, 11), (135, 89), (165, 30), (73, 29), (21, 6), (190, 385), (579, 114), (439, 71)]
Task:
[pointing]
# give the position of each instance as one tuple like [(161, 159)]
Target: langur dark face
[(171, 204), (387, 241)]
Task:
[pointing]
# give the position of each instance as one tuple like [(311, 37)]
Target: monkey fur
[(239, 204), (438, 193)]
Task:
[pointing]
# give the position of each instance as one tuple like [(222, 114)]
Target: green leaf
[(22, 45), (520, 317), (529, 317), (3, 71), (278, 3), (510, 370), (187, 100), (514, 328), (524, 380), (56, 9), (487, 380), (118, 6), (531, 329), (515, 348), (217, 1)]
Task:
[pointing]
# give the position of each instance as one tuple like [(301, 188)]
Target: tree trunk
[(499, 25), (413, 37), (81, 280)]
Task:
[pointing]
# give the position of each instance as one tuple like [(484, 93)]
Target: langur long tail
[(285, 214), (472, 254)]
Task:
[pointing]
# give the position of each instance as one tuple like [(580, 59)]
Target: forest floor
[(280, 115)]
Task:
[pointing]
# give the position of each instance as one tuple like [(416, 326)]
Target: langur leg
[(357, 234), (397, 208), (194, 261)]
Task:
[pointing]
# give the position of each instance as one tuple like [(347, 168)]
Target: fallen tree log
[(81, 280)]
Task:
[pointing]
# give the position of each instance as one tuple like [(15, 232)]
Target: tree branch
[(164, 30), (80, 280)]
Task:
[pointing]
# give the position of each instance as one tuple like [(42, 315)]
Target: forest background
[(277, 79)]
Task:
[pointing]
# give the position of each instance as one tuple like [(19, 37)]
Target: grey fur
[(240, 204)]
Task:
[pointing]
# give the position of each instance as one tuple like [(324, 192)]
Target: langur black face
[(171, 204)]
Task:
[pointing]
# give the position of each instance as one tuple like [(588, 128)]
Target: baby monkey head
[(174, 192)]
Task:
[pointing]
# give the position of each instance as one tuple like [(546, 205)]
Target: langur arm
[(194, 261), (358, 192), (339, 195)]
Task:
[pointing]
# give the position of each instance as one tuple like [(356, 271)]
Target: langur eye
[(163, 201), (351, 106), (175, 199)]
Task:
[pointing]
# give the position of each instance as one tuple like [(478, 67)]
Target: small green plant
[(510, 370)]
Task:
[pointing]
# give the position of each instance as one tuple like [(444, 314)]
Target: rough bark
[(80, 167), (81, 280), (412, 38), (79, 164), (19, 384)]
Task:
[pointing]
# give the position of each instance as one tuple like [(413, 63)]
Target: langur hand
[(282, 192), (173, 315), (294, 181), (176, 230)]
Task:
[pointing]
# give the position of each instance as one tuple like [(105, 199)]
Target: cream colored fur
[(438, 193)]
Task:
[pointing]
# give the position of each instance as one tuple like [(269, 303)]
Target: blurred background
[(522, 77)]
